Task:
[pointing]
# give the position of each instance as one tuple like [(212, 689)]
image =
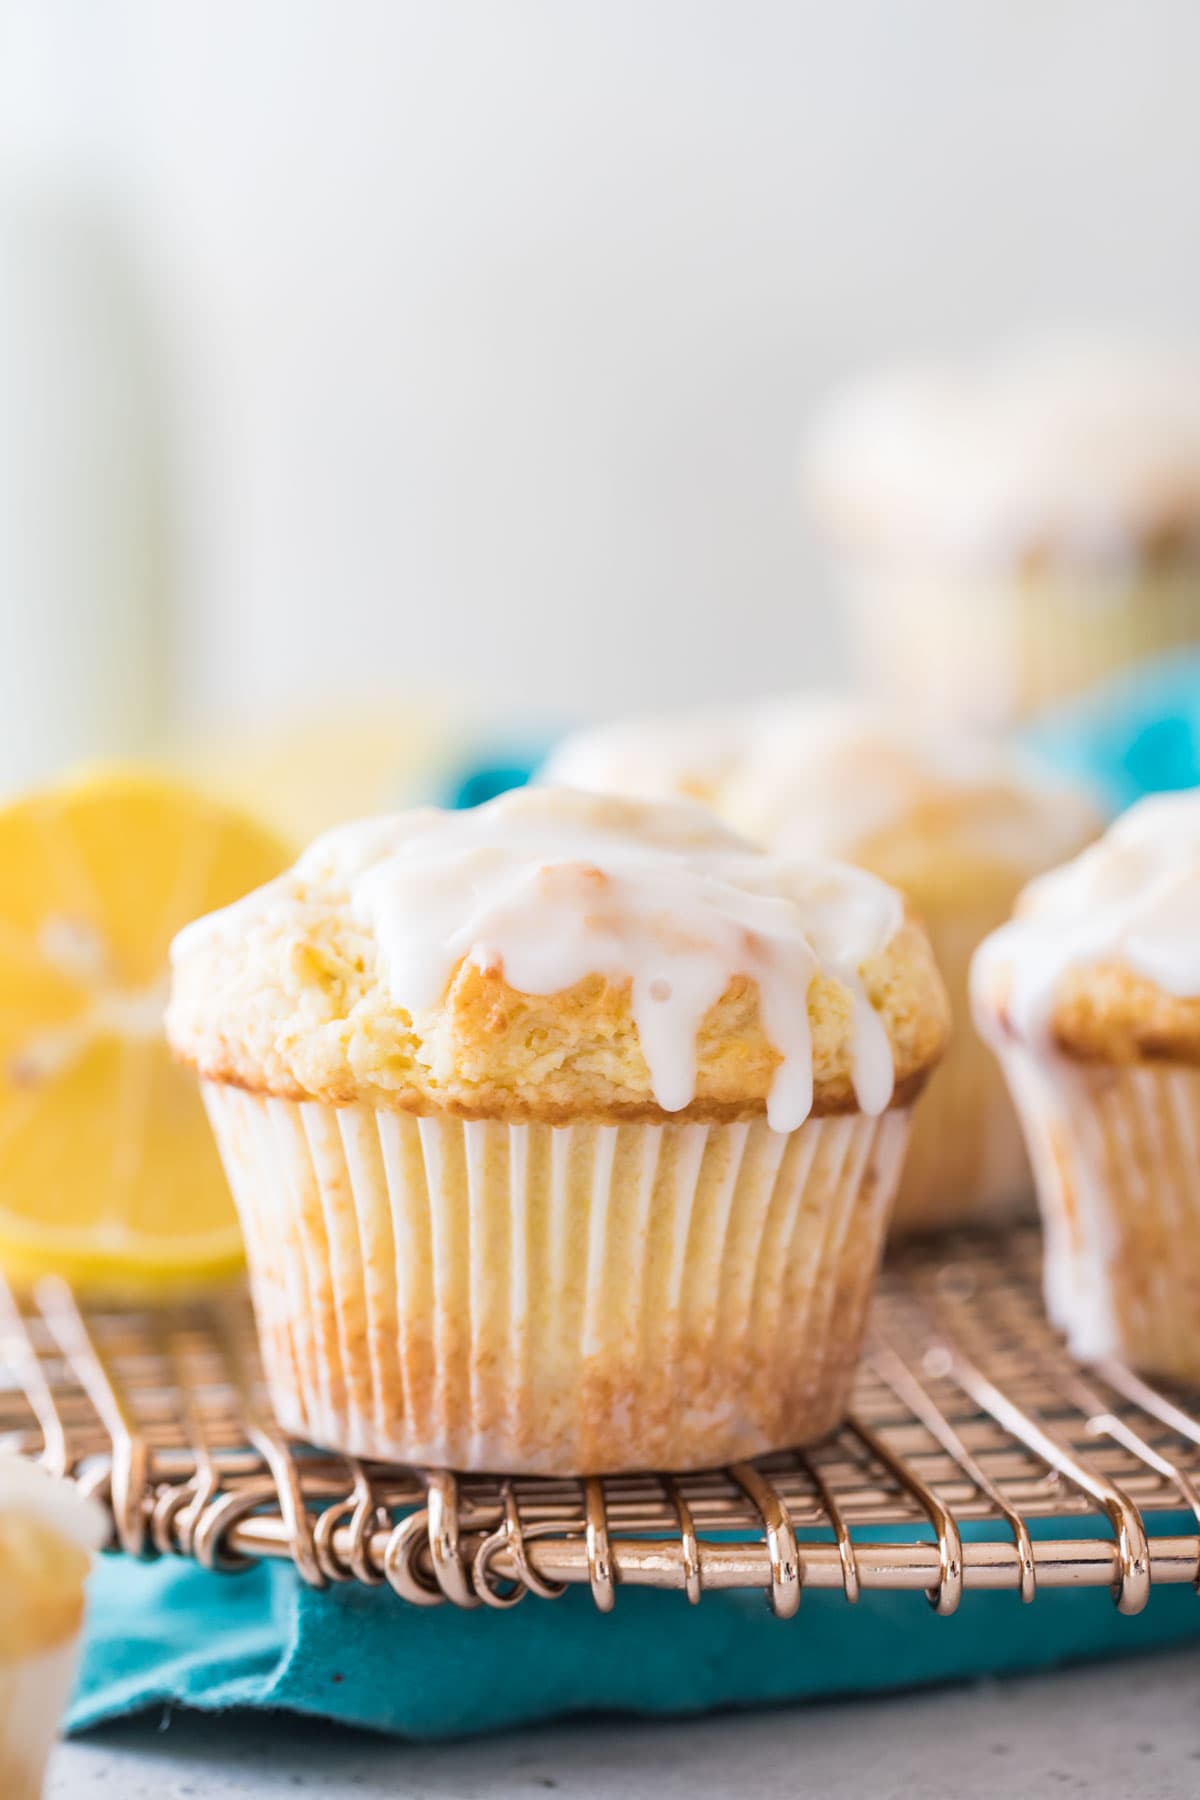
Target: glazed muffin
[(959, 825), (563, 1131), (1090, 997), (48, 1533), (1015, 529)]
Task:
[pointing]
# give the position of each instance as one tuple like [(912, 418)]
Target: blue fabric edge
[(261, 1641)]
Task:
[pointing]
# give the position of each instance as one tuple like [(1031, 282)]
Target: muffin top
[(683, 755), (48, 1532), (1102, 958), (1080, 453), (825, 776), (557, 955)]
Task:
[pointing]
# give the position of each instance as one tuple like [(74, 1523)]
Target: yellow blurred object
[(308, 774), (41, 1586), (108, 1172)]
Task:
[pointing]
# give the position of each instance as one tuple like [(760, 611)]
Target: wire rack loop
[(601, 1574), (967, 1408), (175, 1512), (689, 1545), (510, 1537), (787, 1571), (365, 1512), (326, 1549), (401, 1565), (451, 1571), (210, 1533)]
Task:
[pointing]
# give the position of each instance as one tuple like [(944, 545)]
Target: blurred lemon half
[(108, 1172), (306, 774)]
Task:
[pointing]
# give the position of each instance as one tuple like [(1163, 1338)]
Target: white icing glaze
[(27, 1489), (549, 886), (1089, 442), (1132, 899), (1058, 1113), (819, 775)]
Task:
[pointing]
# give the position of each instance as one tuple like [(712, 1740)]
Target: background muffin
[(48, 1533), (959, 825), (1091, 999), (1014, 529), (563, 1131)]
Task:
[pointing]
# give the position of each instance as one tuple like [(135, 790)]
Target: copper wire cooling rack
[(967, 1410)]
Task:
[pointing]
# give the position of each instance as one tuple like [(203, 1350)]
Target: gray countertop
[(1126, 1729)]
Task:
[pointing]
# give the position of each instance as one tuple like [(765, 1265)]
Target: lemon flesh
[(108, 1172)]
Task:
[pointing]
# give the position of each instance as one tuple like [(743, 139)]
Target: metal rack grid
[(967, 1408)]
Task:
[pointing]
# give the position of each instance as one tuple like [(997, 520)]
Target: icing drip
[(547, 887), (1133, 899)]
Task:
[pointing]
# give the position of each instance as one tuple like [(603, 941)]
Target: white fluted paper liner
[(33, 1693), (556, 1299), (1116, 1157), (966, 1161)]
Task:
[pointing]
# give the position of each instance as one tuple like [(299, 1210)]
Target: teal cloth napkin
[(170, 1633)]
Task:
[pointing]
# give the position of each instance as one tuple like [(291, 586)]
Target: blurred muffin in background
[(958, 824), (1090, 997), (48, 1532), (1016, 528)]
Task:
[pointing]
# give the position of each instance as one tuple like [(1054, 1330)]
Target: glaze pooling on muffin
[(1133, 899), (548, 887)]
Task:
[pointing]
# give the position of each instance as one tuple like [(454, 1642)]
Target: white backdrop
[(488, 329)]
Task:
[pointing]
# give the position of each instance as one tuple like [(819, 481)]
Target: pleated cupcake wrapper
[(33, 1693), (966, 1161), (556, 1299), (1116, 1156), (984, 651)]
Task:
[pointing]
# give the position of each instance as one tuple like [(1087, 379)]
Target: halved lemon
[(108, 1172)]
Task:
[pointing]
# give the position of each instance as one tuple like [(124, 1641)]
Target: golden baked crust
[(1107, 1013), (314, 1023), (293, 992)]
